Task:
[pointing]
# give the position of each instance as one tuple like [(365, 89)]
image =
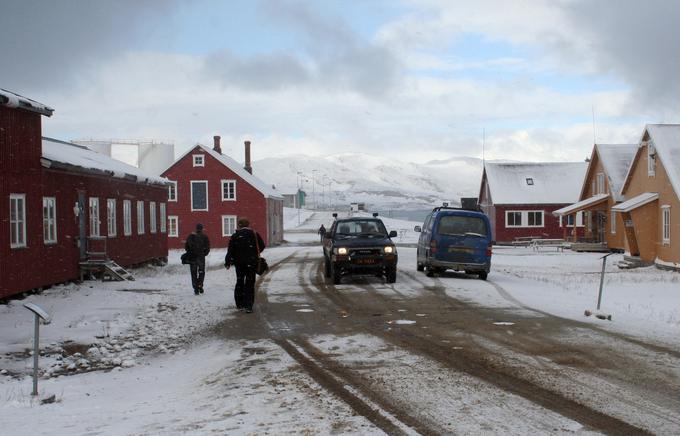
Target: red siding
[(250, 203), (551, 224), (38, 265)]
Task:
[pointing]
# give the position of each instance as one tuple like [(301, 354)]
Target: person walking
[(245, 246), (198, 247), (322, 232)]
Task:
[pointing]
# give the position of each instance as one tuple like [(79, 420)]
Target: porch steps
[(630, 262), (108, 269), (594, 247)]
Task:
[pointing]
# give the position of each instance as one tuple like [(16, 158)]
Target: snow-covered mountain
[(381, 183)]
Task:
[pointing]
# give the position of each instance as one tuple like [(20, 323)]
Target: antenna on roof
[(593, 109)]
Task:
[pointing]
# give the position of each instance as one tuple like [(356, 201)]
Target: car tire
[(391, 275), (420, 266), (429, 270), (337, 277), (327, 267), (483, 275)]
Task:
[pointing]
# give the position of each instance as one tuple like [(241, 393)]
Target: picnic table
[(524, 241), (559, 244)]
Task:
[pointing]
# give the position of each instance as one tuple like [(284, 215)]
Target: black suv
[(360, 246)]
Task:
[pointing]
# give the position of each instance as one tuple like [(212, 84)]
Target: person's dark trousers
[(244, 291), (197, 269)]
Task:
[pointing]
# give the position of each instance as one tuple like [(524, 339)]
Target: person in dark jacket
[(245, 246), (322, 232), (198, 247)]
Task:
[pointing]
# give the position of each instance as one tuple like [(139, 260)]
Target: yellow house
[(651, 212), (600, 192)]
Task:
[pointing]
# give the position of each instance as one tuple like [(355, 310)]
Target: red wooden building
[(64, 204), (211, 188), (519, 198)]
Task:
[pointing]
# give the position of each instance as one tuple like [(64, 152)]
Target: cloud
[(45, 43)]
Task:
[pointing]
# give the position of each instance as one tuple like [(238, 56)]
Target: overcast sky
[(415, 80)]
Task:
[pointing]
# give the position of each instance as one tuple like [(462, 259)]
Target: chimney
[(216, 147), (248, 167)]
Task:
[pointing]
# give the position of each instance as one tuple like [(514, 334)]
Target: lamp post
[(313, 188)]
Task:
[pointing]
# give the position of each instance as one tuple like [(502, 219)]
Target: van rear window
[(460, 225)]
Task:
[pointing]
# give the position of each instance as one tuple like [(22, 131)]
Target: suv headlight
[(341, 250), (389, 249)]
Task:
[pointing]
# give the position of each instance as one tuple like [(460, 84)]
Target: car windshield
[(354, 228), (462, 225)]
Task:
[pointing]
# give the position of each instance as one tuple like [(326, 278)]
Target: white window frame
[(228, 229), (612, 224), (225, 182), (206, 195), (173, 226), (666, 225), (507, 213), (127, 217), (111, 218), (172, 191), (17, 203), (163, 218), (152, 216), (49, 220), (140, 217), (524, 219), (600, 183), (579, 220), (651, 159), (198, 160), (95, 222)]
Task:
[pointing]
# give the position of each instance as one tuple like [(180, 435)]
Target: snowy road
[(415, 357), (427, 355)]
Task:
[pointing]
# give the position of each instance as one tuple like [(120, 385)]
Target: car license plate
[(365, 261), (461, 250)]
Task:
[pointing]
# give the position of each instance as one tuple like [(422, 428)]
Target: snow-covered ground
[(161, 370)]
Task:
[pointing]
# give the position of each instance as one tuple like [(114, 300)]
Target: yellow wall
[(647, 219)]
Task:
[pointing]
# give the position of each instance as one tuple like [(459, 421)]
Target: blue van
[(456, 239)]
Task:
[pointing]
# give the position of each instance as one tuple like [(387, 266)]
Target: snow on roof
[(535, 183), (635, 202), (13, 100), (80, 158), (666, 139), (583, 204), (266, 190), (616, 159)]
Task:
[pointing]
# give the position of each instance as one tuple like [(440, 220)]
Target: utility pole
[(313, 188)]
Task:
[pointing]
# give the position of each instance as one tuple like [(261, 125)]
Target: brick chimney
[(248, 167), (216, 147)]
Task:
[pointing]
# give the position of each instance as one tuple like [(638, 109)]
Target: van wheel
[(327, 267), (391, 275), (483, 275), (419, 266), (429, 271), (337, 277)]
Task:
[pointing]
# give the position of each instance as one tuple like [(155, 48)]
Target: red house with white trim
[(211, 188), (519, 197), (62, 203)]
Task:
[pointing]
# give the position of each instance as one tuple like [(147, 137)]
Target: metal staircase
[(98, 263)]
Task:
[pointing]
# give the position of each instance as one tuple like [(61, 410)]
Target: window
[(651, 159), (140, 217), (513, 219), (228, 225), (524, 218), (530, 181), (164, 224), (199, 160), (535, 218), (600, 184), (172, 226), (612, 219), (127, 217), (111, 216), (94, 217), (49, 220), (152, 216), (199, 195), (17, 220), (172, 191), (228, 190), (666, 225)]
